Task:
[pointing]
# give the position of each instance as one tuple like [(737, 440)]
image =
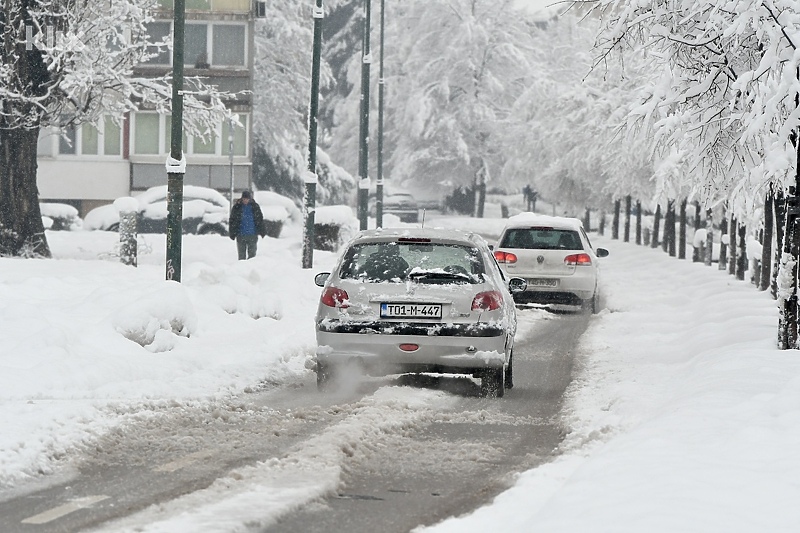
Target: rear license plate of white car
[(543, 282), (406, 310)]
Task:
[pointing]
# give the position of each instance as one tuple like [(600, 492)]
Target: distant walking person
[(246, 224)]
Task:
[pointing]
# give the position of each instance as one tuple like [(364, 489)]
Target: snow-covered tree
[(282, 81), (727, 99), (64, 63), (575, 147), (453, 70)]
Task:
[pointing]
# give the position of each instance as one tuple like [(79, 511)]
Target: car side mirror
[(516, 285), (491, 247), (321, 278), (601, 252)]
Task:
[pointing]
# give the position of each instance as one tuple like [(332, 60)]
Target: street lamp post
[(363, 148), (381, 84), (309, 201), (230, 152), (176, 163)]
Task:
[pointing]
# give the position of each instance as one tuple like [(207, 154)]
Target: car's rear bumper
[(570, 290), (450, 348), (550, 297)]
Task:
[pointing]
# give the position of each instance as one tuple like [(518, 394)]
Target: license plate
[(543, 282), (405, 310)]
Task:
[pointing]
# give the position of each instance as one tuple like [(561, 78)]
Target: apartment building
[(93, 164)]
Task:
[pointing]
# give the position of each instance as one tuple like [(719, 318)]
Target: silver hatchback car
[(417, 300), (555, 257)]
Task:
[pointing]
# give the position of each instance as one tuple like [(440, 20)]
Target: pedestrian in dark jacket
[(246, 224)]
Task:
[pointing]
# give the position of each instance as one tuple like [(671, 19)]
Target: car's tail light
[(487, 301), (505, 257), (409, 347), (333, 297), (578, 260)]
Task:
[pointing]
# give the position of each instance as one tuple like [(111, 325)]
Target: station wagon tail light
[(578, 260), (487, 301), (505, 257), (334, 297)]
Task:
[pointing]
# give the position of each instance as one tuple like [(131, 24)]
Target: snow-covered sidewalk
[(685, 416)]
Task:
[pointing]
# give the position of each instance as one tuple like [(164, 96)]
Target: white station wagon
[(417, 300), (555, 257)]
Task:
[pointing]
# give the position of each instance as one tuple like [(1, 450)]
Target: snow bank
[(81, 336)]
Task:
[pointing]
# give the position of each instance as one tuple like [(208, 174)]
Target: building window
[(146, 133), (112, 137), (152, 132), (158, 32), (68, 141), (239, 137), (101, 138), (89, 138), (206, 45), (195, 48), (228, 45)]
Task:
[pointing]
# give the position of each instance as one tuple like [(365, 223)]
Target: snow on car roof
[(57, 210), (159, 193), (527, 220)]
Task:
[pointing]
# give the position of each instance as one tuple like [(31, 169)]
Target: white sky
[(685, 416)]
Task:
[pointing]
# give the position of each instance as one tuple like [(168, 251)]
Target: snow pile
[(275, 213), (336, 215), (155, 319), (269, 199)]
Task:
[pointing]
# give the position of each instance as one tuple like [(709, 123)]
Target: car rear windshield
[(541, 239), (425, 262)]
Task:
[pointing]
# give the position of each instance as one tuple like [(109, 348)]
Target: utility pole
[(309, 202), (363, 147), (230, 155), (176, 163), (381, 83)]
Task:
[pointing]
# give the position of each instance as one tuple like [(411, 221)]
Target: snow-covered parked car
[(60, 217), (204, 211), (556, 258), (417, 300), (398, 202)]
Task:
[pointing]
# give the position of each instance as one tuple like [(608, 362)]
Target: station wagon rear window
[(541, 239), (424, 262)]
